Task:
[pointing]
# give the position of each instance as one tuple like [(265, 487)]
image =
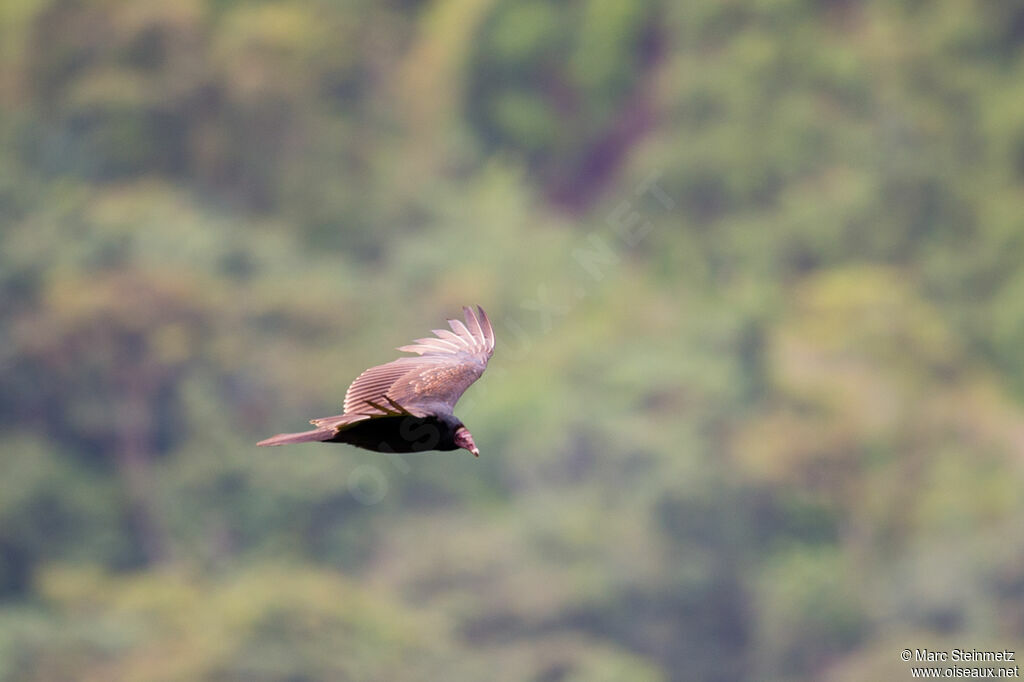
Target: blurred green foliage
[(757, 272)]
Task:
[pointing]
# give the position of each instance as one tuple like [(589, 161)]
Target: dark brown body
[(401, 434)]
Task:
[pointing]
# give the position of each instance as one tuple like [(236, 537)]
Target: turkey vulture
[(406, 405)]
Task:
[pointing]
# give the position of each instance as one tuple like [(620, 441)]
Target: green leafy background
[(757, 274)]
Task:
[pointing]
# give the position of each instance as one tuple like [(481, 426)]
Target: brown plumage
[(407, 404)]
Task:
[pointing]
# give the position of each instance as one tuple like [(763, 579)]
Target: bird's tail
[(316, 435)]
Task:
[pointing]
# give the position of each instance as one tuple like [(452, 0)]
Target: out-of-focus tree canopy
[(757, 274)]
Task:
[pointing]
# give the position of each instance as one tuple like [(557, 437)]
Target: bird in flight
[(407, 404)]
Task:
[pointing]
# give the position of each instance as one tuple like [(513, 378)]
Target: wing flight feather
[(447, 365)]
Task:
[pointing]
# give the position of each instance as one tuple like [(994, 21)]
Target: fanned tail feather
[(314, 436)]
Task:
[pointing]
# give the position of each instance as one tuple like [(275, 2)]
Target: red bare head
[(464, 439)]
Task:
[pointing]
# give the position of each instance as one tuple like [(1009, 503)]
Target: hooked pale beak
[(464, 439)]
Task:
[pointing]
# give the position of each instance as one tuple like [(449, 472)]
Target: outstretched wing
[(447, 364)]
